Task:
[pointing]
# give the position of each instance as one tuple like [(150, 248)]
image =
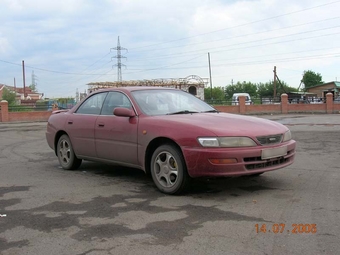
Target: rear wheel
[(168, 170), (67, 159)]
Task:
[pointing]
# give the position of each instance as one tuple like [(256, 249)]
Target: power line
[(243, 35), (170, 55), (211, 49), (198, 53), (186, 54), (291, 59), (241, 25)]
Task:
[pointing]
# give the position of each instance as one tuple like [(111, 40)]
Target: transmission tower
[(34, 81), (77, 96), (119, 60)]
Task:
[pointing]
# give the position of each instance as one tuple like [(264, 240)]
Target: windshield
[(161, 102)]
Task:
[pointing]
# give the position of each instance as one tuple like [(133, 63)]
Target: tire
[(67, 159), (168, 170)]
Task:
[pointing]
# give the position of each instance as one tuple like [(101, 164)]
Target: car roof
[(239, 94), (135, 88)]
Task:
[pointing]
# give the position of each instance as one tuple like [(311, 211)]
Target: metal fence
[(307, 100), (254, 100), (28, 108), (274, 100)]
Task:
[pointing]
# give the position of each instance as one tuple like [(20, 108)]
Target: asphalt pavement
[(105, 209)]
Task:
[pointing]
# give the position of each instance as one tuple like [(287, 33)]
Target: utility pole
[(23, 77), (302, 82), (210, 76), (276, 79), (119, 60), (274, 82)]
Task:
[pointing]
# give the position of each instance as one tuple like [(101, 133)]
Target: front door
[(116, 136)]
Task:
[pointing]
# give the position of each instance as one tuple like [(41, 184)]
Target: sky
[(67, 44)]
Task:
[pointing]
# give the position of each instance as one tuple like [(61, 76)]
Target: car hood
[(222, 124)]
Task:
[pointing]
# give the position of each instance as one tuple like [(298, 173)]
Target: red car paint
[(127, 139)]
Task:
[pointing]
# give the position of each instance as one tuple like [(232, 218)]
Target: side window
[(93, 104), (113, 100)]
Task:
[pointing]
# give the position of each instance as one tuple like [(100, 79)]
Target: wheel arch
[(56, 139), (153, 145)]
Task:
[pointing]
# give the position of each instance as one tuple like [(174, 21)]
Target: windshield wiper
[(211, 111), (181, 112)]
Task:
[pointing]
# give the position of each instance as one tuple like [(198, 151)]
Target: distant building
[(192, 84), (27, 98), (322, 89)]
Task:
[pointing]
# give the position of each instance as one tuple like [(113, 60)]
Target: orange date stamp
[(279, 228)]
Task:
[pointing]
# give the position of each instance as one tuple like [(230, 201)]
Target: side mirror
[(123, 112)]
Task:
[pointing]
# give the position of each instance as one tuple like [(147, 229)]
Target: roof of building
[(167, 82), (336, 83), (301, 93)]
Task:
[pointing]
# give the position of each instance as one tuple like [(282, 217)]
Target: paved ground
[(103, 209)]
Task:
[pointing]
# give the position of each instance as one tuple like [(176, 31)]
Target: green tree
[(33, 87), (244, 87), (9, 96), (311, 79), (216, 93), (267, 89)]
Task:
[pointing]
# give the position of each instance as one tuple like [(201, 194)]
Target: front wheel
[(168, 170), (67, 159)]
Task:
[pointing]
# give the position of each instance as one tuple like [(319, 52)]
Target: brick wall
[(28, 116), (6, 116), (4, 111), (283, 108)]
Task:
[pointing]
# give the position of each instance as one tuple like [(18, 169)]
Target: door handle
[(101, 124), (70, 122)]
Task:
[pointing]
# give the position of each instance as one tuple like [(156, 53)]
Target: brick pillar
[(242, 104), (329, 103), (284, 103), (4, 111)]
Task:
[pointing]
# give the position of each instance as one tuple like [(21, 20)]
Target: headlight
[(287, 136), (226, 142), (209, 142)]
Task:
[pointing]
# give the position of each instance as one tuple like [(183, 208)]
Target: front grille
[(258, 163), (270, 139), (270, 163)]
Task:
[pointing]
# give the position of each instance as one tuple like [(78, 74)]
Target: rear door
[(81, 125)]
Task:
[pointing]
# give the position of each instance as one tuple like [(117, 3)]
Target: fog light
[(223, 161)]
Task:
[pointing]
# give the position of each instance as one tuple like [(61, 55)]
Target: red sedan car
[(169, 133)]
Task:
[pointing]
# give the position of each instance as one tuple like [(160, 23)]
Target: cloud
[(68, 43)]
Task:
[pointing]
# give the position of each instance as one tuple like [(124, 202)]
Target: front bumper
[(248, 160)]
